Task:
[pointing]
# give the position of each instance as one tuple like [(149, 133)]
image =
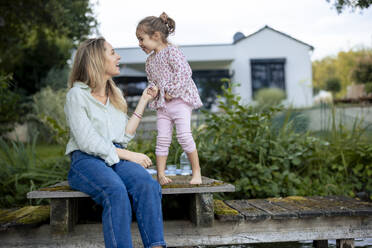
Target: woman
[(101, 166)]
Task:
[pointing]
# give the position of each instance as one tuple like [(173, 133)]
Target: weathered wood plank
[(359, 208), (63, 215), (320, 243), (302, 206), (202, 209), (345, 243), (249, 212), (223, 212), (330, 207), (180, 185), (184, 233), (275, 211)]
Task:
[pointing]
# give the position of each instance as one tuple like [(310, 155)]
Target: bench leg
[(320, 243), (63, 215), (345, 243), (201, 211)]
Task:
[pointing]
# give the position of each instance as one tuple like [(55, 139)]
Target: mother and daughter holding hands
[(100, 129)]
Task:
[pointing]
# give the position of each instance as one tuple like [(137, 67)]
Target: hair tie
[(164, 17)]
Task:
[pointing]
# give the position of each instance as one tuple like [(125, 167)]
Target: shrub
[(56, 78), (22, 171), (362, 72), (270, 96), (48, 115), (368, 87), (333, 85), (11, 107), (241, 145)]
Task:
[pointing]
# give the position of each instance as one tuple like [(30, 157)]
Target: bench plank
[(180, 185)]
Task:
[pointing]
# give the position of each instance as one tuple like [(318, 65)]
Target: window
[(267, 73), (132, 88), (209, 84)]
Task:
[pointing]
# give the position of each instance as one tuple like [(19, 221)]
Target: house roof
[(270, 28), (226, 45)]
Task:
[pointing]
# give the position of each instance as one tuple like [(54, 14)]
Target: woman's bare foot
[(164, 180)]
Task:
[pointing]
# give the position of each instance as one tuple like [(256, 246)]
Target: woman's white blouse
[(94, 127)]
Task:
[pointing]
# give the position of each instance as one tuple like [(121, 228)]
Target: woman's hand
[(135, 157), (150, 93), (168, 97), (141, 159)]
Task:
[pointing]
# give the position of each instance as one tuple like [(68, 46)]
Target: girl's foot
[(196, 179), (164, 180)]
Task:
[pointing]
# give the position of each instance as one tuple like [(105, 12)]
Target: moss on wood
[(220, 208), (288, 199), (25, 215)]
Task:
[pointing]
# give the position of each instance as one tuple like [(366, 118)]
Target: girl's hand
[(168, 97), (141, 159)]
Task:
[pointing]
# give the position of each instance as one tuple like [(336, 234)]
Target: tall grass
[(21, 171)]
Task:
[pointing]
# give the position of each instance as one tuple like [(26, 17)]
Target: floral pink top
[(168, 69)]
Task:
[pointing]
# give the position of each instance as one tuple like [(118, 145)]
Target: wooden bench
[(65, 201)]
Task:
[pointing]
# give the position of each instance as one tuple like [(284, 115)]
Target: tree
[(38, 35), (340, 66), (333, 85), (340, 5), (362, 72)]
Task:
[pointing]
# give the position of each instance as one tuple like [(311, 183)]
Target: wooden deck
[(245, 221)]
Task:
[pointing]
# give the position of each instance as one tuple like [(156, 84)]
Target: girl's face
[(147, 43), (111, 61)]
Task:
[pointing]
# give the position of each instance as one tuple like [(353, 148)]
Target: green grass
[(49, 151)]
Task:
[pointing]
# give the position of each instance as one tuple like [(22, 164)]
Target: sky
[(315, 22)]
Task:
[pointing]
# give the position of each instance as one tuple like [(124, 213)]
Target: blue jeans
[(113, 188)]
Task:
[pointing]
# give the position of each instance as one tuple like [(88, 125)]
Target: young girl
[(177, 95)]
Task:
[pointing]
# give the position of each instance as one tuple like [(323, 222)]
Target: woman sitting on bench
[(101, 166)]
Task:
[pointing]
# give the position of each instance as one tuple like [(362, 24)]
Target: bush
[(56, 78), (12, 108), (270, 96), (368, 87), (49, 117), (22, 171), (362, 72), (333, 85), (242, 146)]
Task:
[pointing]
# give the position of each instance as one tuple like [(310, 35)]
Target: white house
[(266, 58)]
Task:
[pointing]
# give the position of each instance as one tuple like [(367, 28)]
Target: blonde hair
[(89, 68), (162, 24)]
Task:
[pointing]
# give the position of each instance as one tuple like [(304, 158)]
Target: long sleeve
[(150, 79), (126, 138), (82, 131), (181, 73)]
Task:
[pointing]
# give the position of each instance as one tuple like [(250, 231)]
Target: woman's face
[(111, 61)]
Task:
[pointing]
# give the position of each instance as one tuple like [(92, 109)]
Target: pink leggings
[(177, 112)]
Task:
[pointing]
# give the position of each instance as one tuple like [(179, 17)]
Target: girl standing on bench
[(101, 166), (167, 69)]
